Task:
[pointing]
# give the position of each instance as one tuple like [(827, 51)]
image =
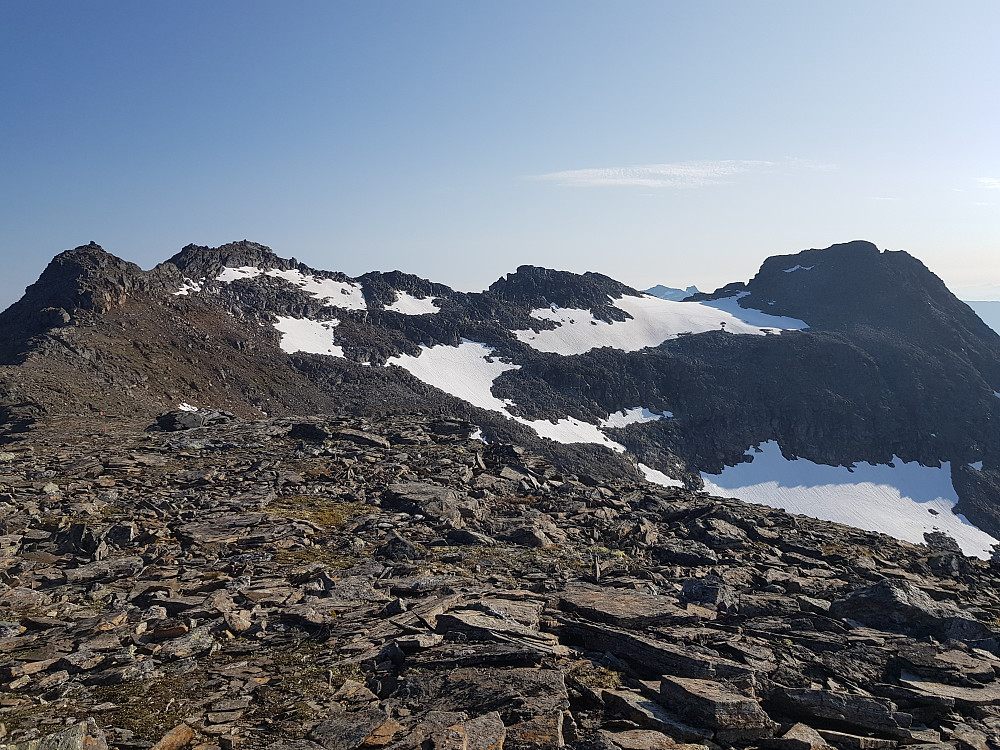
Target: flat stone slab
[(517, 694), (648, 713), (712, 704), (650, 653), (856, 742), (987, 695), (483, 627), (628, 609), (877, 714)]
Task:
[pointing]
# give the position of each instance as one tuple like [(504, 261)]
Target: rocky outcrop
[(356, 582)]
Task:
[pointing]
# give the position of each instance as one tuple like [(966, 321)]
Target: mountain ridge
[(888, 363)]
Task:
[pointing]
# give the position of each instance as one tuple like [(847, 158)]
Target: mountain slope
[(838, 357)]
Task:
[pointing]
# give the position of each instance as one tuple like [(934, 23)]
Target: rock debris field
[(340, 583)]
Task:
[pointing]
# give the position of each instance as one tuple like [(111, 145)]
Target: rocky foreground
[(344, 583)]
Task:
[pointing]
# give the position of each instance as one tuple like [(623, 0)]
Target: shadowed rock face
[(891, 365)]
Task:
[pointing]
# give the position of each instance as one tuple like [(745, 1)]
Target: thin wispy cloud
[(681, 175), (990, 183)]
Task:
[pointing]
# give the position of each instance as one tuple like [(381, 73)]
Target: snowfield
[(309, 336), (570, 430), (407, 304), (635, 415), (658, 477), (463, 371), (467, 371), (903, 500), (338, 293), (653, 321), (755, 318), (187, 287)]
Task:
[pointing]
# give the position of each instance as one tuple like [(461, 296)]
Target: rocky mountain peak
[(86, 278), (853, 284), (200, 261), (541, 287)]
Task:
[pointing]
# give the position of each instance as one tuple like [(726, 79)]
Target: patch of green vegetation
[(329, 556), (301, 679), (322, 511), (595, 676), (150, 708)]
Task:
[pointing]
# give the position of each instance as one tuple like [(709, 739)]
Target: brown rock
[(485, 732), (83, 736), (712, 704), (177, 738), (621, 607)]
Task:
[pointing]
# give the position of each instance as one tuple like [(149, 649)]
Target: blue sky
[(657, 142)]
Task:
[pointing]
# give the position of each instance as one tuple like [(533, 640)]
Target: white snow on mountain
[(229, 275), (635, 415), (658, 477), (751, 317), (309, 336), (187, 287), (978, 465), (466, 371), (797, 267), (653, 321), (338, 293), (902, 500), (407, 304), (571, 430)]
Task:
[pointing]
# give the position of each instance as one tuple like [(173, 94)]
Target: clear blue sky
[(658, 142)]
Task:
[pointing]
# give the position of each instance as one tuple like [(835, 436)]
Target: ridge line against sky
[(657, 142)]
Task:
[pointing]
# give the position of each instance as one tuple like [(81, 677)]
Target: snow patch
[(799, 268), (897, 501), (978, 465), (464, 371), (339, 293), (185, 406), (467, 371), (407, 304), (996, 393), (188, 286), (308, 336), (658, 477), (229, 275), (653, 321), (760, 321), (571, 430), (635, 415), (477, 434)]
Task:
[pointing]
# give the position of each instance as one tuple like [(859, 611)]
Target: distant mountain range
[(669, 292), (845, 383)]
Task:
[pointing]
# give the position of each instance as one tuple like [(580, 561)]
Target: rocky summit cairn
[(352, 582)]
